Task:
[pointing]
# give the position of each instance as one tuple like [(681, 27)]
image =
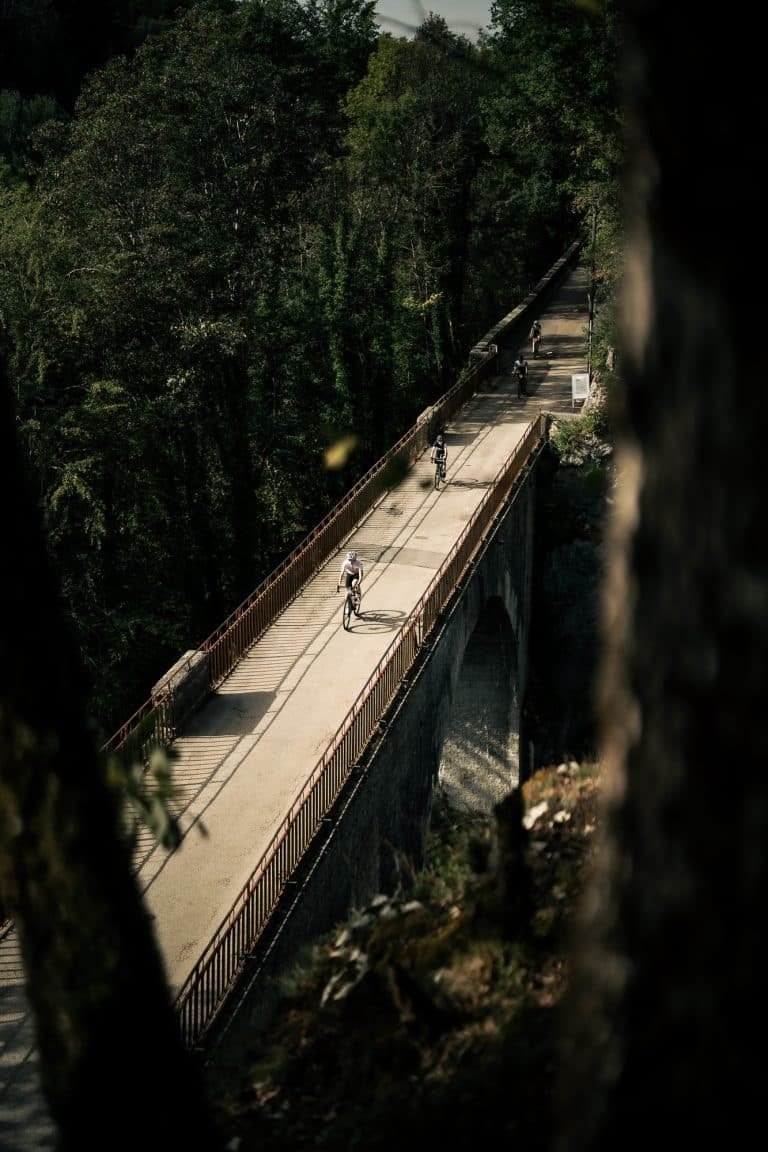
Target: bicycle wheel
[(346, 612), (437, 474)]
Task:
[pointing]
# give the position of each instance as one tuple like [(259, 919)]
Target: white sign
[(579, 386)]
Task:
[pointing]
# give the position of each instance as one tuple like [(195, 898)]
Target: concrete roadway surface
[(245, 756)]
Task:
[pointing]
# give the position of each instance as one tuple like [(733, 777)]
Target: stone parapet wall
[(189, 684)]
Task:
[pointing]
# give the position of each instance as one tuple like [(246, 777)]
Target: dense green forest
[(665, 967), (235, 234)]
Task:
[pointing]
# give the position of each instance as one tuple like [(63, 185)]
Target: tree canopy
[(232, 234)]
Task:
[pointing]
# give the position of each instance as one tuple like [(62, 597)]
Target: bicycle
[(439, 471), (351, 605)]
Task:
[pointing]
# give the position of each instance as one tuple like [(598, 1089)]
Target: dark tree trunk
[(668, 985), (113, 1068)]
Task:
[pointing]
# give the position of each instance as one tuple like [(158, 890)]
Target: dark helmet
[(439, 438)]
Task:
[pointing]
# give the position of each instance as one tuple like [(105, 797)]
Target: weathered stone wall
[(564, 644), (189, 684)]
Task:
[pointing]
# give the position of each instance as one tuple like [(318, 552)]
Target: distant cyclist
[(521, 373), (535, 337), (351, 574), (439, 450)]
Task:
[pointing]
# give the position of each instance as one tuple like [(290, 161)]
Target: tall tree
[(414, 147), (553, 124), (220, 264), (170, 295), (106, 1031), (669, 1004)]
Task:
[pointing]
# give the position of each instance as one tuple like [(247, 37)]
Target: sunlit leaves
[(337, 455)]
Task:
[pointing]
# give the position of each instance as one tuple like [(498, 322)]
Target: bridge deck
[(245, 756)]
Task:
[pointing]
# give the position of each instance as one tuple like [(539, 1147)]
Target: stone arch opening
[(480, 757)]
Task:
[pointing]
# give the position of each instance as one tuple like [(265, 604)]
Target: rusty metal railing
[(204, 992), (157, 720)]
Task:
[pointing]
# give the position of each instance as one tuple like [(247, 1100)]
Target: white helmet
[(351, 555)]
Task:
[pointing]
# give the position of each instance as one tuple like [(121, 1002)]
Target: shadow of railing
[(196, 675), (159, 719), (204, 992)]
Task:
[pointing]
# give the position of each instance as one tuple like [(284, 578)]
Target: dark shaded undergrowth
[(424, 1018)]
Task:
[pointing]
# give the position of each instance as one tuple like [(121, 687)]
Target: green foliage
[(553, 119), (19, 119), (163, 223), (148, 792), (415, 146), (458, 842), (592, 424), (264, 231), (454, 1024)]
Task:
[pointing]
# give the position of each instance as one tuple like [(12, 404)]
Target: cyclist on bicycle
[(535, 337), (439, 451), (521, 373), (351, 572)]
